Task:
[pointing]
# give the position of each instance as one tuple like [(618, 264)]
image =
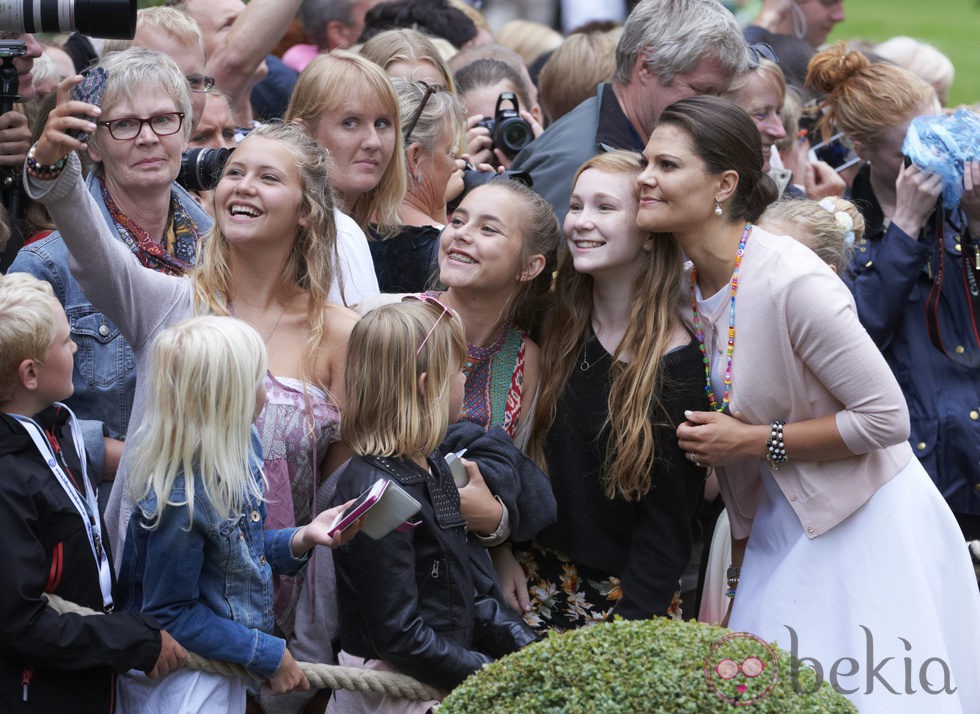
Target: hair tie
[(843, 219)]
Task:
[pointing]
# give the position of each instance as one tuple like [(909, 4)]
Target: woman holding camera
[(136, 157), (912, 274), (480, 85)]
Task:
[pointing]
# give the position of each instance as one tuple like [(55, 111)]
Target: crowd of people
[(655, 317)]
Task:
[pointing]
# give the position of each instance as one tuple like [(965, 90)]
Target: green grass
[(953, 26)]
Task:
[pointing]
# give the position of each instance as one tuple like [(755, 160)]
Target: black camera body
[(96, 18), (510, 133), (200, 169)]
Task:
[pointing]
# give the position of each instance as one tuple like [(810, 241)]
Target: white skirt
[(894, 580), (185, 691)]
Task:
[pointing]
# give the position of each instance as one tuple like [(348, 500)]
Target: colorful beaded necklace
[(731, 328)]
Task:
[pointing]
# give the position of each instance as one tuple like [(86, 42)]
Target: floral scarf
[(182, 235)]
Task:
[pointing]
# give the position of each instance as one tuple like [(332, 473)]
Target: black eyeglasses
[(430, 89), (200, 83), (759, 51), (126, 128)]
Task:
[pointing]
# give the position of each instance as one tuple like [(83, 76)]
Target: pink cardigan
[(801, 353)]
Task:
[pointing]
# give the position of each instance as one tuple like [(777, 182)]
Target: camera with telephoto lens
[(200, 169), (509, 132), (96, 18)]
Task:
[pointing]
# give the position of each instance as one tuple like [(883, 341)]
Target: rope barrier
[(321, 676)]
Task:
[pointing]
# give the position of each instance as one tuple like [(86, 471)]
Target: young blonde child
[(829, 227), (197, 556), (54, 541), (410, 601)]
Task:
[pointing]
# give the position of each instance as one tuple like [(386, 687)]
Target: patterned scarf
[(182, 236)]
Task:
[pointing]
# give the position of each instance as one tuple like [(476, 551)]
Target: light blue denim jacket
[(208, 580), (105, 374)]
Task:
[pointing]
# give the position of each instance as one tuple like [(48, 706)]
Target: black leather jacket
[(410, 599)]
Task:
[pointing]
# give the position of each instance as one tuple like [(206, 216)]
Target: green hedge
[(654, 665)]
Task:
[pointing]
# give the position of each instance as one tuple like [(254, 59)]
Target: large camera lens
[(96, 18), (200, 169), (512, 135)]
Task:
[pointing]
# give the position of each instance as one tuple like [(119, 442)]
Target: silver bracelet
[(503, 529)]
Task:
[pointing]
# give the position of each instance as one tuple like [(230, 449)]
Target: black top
[(646, 543), (407, 261)]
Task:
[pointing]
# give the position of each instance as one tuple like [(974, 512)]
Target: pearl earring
[(717, 208), (418, 178)]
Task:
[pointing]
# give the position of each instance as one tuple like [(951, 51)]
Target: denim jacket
[(208, 580), (105, 374)]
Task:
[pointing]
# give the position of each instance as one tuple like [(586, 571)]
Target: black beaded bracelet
[(775, 448), (45, 172)]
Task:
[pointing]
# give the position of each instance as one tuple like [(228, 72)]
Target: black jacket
[(67, 661), (410, 599)]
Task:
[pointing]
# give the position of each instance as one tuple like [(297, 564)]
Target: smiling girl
[(267, 262), (618, 371)]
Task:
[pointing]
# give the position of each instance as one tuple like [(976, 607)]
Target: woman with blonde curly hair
[(618, 371), (269, 262)]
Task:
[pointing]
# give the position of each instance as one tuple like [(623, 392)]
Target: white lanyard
[(88, 509)]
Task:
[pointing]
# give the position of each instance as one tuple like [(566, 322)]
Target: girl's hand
[(288, 677), (970, 202), (915, 198), (317, 532), (513, 581), (716, 439), (478, 506), (54, 143)]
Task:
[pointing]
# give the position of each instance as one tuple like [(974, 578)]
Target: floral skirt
[(566, 595)]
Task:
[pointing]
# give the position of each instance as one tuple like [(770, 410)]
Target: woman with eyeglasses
[(432, 126), (143, 126)]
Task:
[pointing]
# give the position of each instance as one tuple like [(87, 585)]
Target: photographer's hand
[(15, 139), (916, 192), (478, 141), (54, 143), (970, 203)]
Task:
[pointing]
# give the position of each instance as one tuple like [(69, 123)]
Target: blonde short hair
[(527, 38), (26, 325), (407, 45), (203, 379), (387, 414), (175, 23), (324, 83), (825, 230), (573, 72), (135, 69)]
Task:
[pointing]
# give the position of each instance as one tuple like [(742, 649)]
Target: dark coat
[(58, 662), (410, 599)]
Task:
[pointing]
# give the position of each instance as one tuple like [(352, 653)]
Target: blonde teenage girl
[(410, 600), (197, 557)]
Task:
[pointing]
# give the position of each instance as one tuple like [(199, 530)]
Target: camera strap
[(87, 507), (968, 281)]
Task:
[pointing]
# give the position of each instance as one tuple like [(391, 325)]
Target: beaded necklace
[(731, 328)]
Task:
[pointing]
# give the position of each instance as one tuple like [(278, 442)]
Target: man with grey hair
[(669, 50), (331, 25)]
